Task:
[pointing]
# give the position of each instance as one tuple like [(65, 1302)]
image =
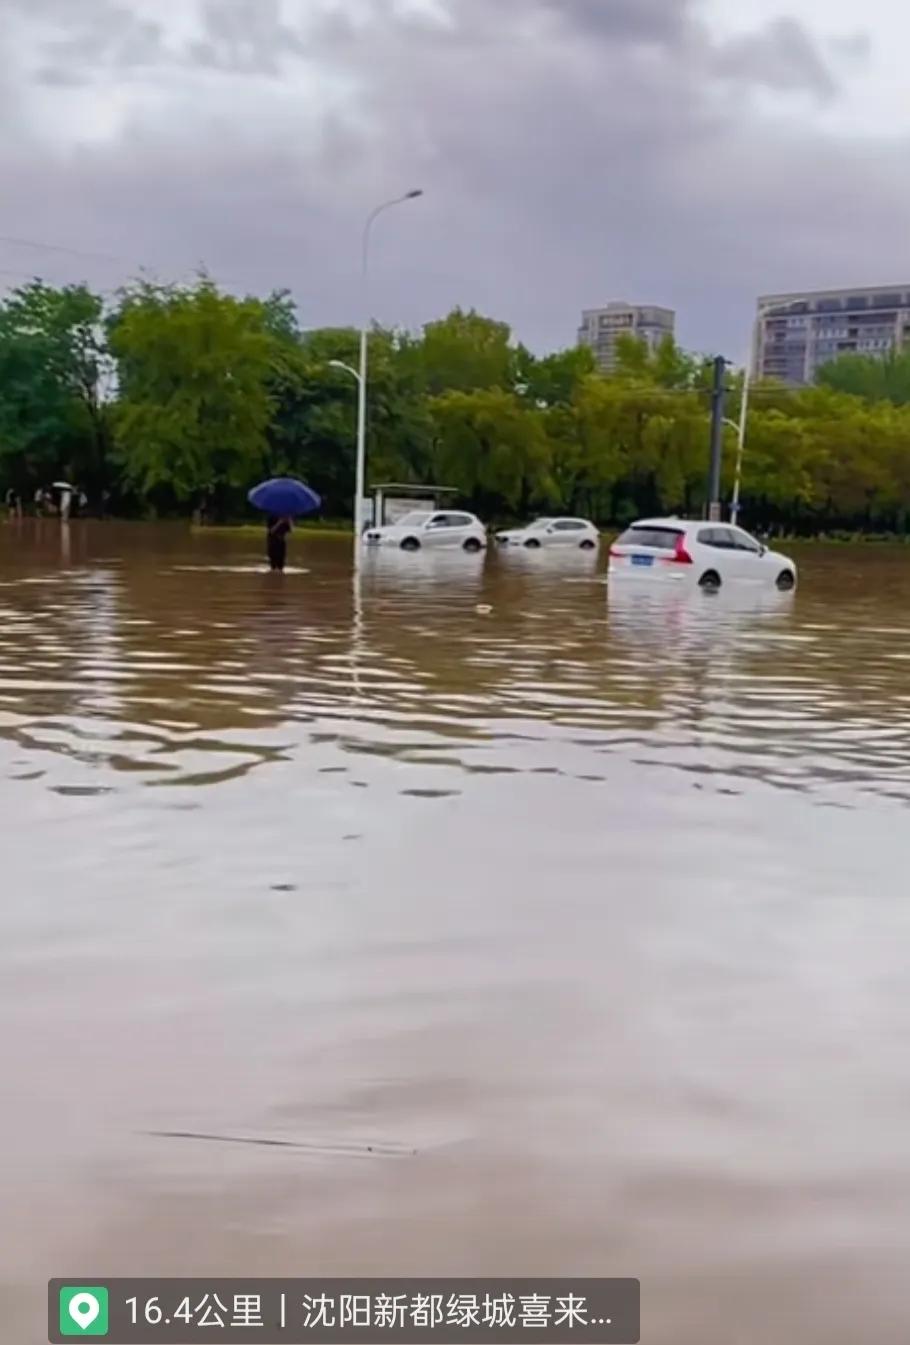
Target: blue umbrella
[(284, 496)]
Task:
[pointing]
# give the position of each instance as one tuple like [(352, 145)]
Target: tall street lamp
[(349, 369), (743, 412), (360, 476)]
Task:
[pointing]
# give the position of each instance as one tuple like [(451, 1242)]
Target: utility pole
[(718, 394), (361, 374)]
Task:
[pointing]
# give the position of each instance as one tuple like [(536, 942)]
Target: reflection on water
[(151, 668), (468, 861)]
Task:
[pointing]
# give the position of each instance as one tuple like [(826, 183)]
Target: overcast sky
[(692, 153)]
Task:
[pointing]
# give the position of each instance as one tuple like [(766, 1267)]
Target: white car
[(430, 528), (707, 554), (553, 532)]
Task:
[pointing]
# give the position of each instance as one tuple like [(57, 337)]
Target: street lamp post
[(349, 369), (743, 412), (360, 475)]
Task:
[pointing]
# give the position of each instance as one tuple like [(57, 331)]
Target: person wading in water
[(277, 530)]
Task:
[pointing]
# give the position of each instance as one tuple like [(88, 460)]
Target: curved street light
[(348, 368)]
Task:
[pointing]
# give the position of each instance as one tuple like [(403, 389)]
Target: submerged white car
[(552, 532), (707, 554), (430, 528)]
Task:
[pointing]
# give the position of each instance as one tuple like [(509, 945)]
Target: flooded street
[(550, 931)]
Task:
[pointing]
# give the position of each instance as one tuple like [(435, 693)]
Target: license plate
[(642, 560)]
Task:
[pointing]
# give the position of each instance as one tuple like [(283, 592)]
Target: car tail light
[(616, 554), (680, 554)]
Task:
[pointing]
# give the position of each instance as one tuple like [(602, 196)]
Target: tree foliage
[(52, 368), (885, 379), (195, 400), (172, 392)]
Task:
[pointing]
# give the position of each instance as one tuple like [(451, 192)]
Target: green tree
[(465, 352), (875, 380), (312, 433), (195, 369), (493, 448), (667, 367), (552, 380), (53, 368)]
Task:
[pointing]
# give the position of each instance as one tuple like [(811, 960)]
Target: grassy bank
[(328, 528), (341, 528)]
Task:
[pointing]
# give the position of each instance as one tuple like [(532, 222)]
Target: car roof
[(673, 522), (557, 518), (680, 524)]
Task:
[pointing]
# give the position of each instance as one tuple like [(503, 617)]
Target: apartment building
[(797, 333), (601, 327)]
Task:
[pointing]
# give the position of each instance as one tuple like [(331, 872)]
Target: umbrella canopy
[(284, 495), (62, 485)]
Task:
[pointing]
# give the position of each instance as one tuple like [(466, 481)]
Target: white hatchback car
[(553, 532), (430, 528), (708, 554)]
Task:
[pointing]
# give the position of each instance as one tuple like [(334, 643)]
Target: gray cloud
[(854, 47), (570, 152), (780, 56), (247, 36), (661, 21), (78, 40)]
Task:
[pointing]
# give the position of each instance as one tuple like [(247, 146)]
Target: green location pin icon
[(83, 1311)]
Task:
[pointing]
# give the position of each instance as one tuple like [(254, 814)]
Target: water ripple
[(184, 663)]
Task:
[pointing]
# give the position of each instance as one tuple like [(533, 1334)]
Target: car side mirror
[(762, 549)]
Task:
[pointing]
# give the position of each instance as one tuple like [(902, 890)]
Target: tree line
[(171, 394)]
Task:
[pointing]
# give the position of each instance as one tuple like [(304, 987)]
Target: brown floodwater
[(553, 931)]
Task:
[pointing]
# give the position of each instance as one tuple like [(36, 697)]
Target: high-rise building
[(797, 333), (601, 327)]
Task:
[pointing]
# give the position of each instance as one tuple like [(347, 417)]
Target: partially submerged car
[(707, 554), (430, 528), (577, 532)]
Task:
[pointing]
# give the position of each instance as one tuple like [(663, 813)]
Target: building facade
[(601, 327), (797, 333)]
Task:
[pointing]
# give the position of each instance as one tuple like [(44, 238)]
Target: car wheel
[(410, 544), (532, 544), (587, 545), (786, 580), (710, 580), (471, 544)]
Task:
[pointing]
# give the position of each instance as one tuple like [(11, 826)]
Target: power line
[(140, 266), (58, 247)]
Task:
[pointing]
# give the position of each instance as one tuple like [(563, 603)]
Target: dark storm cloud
[(570, 151)]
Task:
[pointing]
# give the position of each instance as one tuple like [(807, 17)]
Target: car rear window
[(664, 539)]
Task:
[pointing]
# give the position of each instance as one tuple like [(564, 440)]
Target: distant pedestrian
[(39, 501), (277, 529), (207, 505), (14, 503)]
